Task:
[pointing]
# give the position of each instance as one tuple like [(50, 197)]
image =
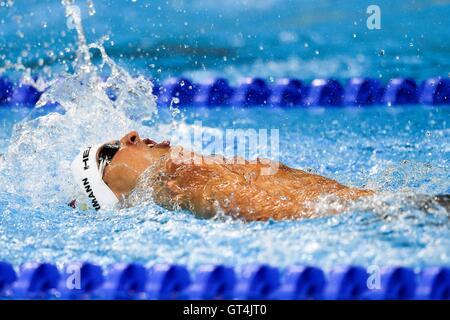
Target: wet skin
[(213, 185)]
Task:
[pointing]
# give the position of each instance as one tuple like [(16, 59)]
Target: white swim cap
[(89, 177)]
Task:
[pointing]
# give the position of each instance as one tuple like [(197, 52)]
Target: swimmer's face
[(130, 161)]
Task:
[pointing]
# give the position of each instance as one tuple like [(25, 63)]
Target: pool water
[(401, 152)]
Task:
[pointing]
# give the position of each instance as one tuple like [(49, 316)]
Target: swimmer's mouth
[(150, 143)]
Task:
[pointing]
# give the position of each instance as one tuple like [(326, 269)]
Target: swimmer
[(205, 185)]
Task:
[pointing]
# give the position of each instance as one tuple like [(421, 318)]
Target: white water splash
[(37, 163)]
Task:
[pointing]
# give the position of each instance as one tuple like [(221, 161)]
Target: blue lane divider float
[(435, 91), (280, 93), (25, 95), (125, 282), (84, 280), (400, 91), (288, 93), (434, 284), (252, 91), (302, 283), (362, 92), (181, 89), (346, 283), (81, 280), (325, 92), (7, 278), (396, 284), (36, 281), (257, 282), (215, 92)]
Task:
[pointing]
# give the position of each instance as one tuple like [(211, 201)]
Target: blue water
[(398, 151), (302, 38)]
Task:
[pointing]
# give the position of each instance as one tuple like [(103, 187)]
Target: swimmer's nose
[(131, 138)]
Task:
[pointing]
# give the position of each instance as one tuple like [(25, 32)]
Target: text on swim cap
[(90, 194)]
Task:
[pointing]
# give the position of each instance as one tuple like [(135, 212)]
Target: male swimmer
[(205, 185)]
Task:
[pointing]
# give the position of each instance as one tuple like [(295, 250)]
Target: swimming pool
[(397, 150)]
